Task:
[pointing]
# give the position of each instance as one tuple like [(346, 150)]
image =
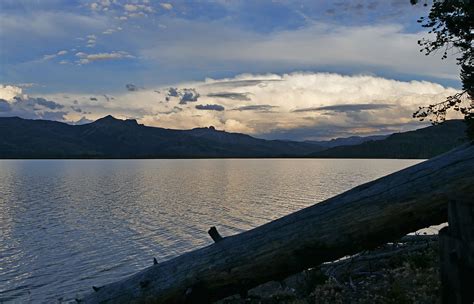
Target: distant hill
[(421, 143), (347, 141), (109, 137)]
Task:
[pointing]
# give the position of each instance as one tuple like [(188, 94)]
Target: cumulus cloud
[(8, 92), (14, 102), (210, 107), (137, 10), (185, 95), (295, 106)]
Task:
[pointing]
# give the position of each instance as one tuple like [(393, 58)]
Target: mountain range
[(109, 137)]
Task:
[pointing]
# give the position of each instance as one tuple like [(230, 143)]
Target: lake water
[(66, 225)]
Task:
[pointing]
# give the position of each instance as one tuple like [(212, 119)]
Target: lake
[(66, 225)]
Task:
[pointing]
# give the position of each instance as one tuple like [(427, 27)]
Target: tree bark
[(366, 216), (457, 253)]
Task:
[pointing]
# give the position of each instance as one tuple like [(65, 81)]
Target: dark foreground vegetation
[(406, 271)]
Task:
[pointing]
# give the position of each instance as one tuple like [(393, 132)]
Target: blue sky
[(72, 52)]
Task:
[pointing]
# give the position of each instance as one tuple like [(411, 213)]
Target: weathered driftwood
[(366, 216)]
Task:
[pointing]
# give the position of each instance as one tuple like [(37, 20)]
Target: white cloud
[(88, 58), (52, 56), (49, 57), (280, 104), (108, 31), (167, 6), (14, 102), (9, 92), (105, 2), (130, 7)]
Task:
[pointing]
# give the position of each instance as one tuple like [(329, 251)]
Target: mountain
[(422, 143), (109, 137), (346, 141)]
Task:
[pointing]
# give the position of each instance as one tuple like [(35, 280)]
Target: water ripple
[(68, 225)]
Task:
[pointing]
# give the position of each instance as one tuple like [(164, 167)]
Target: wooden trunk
[(366, 216), (457, 252)]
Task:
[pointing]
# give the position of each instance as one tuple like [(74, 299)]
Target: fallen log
[(364, 217)]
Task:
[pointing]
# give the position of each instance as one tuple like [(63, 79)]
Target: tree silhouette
[(452, 23)]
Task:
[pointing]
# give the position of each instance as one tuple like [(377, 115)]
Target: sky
[(298, 70)]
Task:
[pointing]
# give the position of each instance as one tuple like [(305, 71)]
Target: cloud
[(49, 57), (230, 95), (137, 10), (57, 116), (82, 121), (328, 46), (166, 6), (226, 83), (298, 106), (173, 110), (131, 87), (88, 58), (173, 92), (46, 103), (14, 102), (210, 107), (130, 7), (76, 109), (189, 95), (346, 108), (185, 95), (8, 92), (259, 108)]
